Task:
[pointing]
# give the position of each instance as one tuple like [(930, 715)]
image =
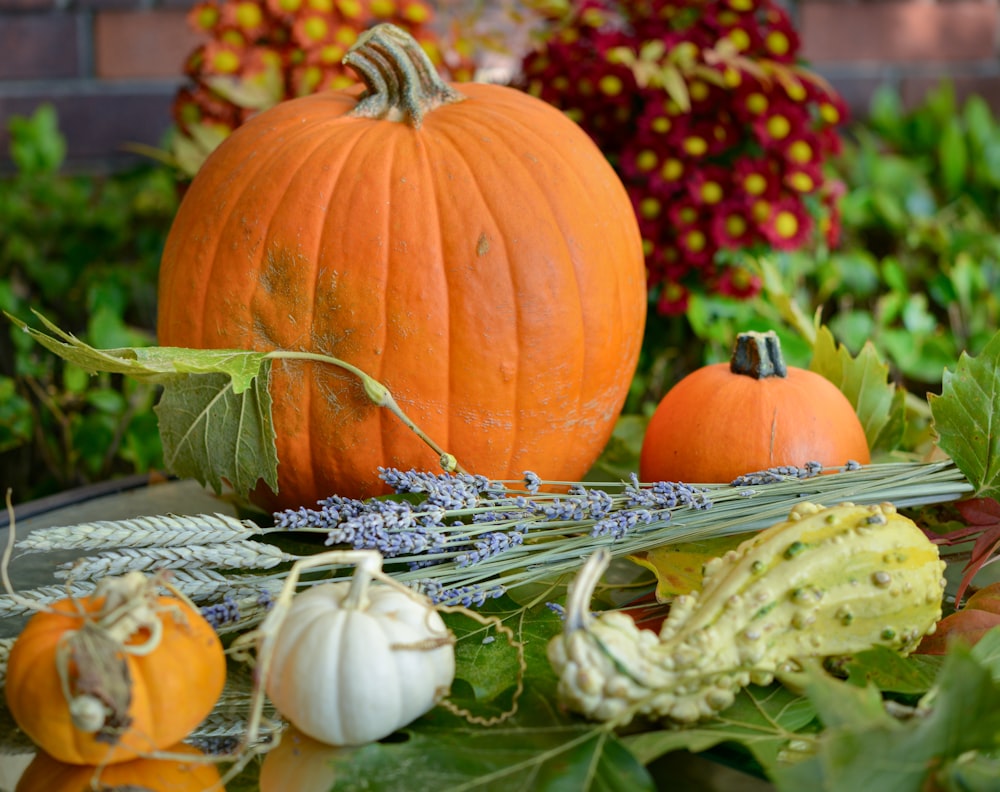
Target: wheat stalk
[(168, 530), (21, 605), (242, 554)]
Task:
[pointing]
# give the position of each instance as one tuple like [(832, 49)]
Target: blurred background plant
[(84, 251)]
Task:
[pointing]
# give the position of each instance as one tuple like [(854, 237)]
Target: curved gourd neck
[(401, 83)]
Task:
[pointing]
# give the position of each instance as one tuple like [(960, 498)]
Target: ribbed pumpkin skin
[(715, 425), (174, 687), (486, 267)]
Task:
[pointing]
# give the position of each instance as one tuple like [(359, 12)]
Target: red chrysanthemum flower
[(788, 225), (248, 17), (673, 298), (738, 282), (731, 227), (204, 17)]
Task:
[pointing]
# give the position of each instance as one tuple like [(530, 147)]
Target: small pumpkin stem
[(758, 355), (401, 83), (357, 592)]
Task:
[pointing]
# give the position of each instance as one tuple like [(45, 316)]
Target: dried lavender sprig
[(773, 475), (169, 530)]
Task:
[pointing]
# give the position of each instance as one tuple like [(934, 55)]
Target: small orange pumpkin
[(750, 414), (466, 245), (115, 675), (46, 774)]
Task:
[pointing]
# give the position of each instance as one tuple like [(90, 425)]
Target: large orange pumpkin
[(46, 774), (753, 413), (468, 246), (167, 692)]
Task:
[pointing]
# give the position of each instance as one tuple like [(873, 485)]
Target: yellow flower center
[(755, 184), (740, 39), (226, 62), (800, 152), (695, 146), (777, 42), (349, 8), (695, 240), (316, 28), (649, 208), (611, 85), (672, 169), (416, 12), (735, 225), (801, 181), (829, 113), (786, 224), (778, 127), (711, 192), (756, 103), (646, 160), (661, 125)]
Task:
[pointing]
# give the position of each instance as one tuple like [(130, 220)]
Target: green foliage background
[(82, 249)]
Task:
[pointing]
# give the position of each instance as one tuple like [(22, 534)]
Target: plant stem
[(401, 83), (379, 395)]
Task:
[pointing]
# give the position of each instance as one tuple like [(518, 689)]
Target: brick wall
[(909, 44), (111, 67)]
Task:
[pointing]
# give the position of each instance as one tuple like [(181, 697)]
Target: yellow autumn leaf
[(678, 566)]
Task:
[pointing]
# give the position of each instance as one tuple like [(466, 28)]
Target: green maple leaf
[(967, 418), (864, 380), (215, 411), (863, 747), (765, 720)]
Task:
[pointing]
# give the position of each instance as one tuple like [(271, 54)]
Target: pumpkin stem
[(758, 355), (401, 83)]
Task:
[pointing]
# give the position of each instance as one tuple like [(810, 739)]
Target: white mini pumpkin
[(354, 662)]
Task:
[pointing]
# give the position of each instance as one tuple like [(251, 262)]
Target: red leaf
[(979, 511), (965, 625)]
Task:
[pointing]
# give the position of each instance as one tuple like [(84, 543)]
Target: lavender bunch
[(463, 538)]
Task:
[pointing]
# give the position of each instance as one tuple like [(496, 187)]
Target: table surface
[(679, 772)]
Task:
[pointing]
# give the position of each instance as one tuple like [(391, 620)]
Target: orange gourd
[(753, 413), (109, 677), (46, 774), (468, 246)]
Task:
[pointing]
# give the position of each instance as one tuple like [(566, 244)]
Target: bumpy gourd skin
[(827, 582)]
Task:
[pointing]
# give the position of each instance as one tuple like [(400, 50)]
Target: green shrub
[(84, 251)]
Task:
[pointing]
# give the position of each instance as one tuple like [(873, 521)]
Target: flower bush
[(261, 52), (717, 130)]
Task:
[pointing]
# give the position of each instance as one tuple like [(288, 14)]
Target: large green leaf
[(215, 412), (864, 379), (215, 434), (764, 720), (862, 747), (967, 418)]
